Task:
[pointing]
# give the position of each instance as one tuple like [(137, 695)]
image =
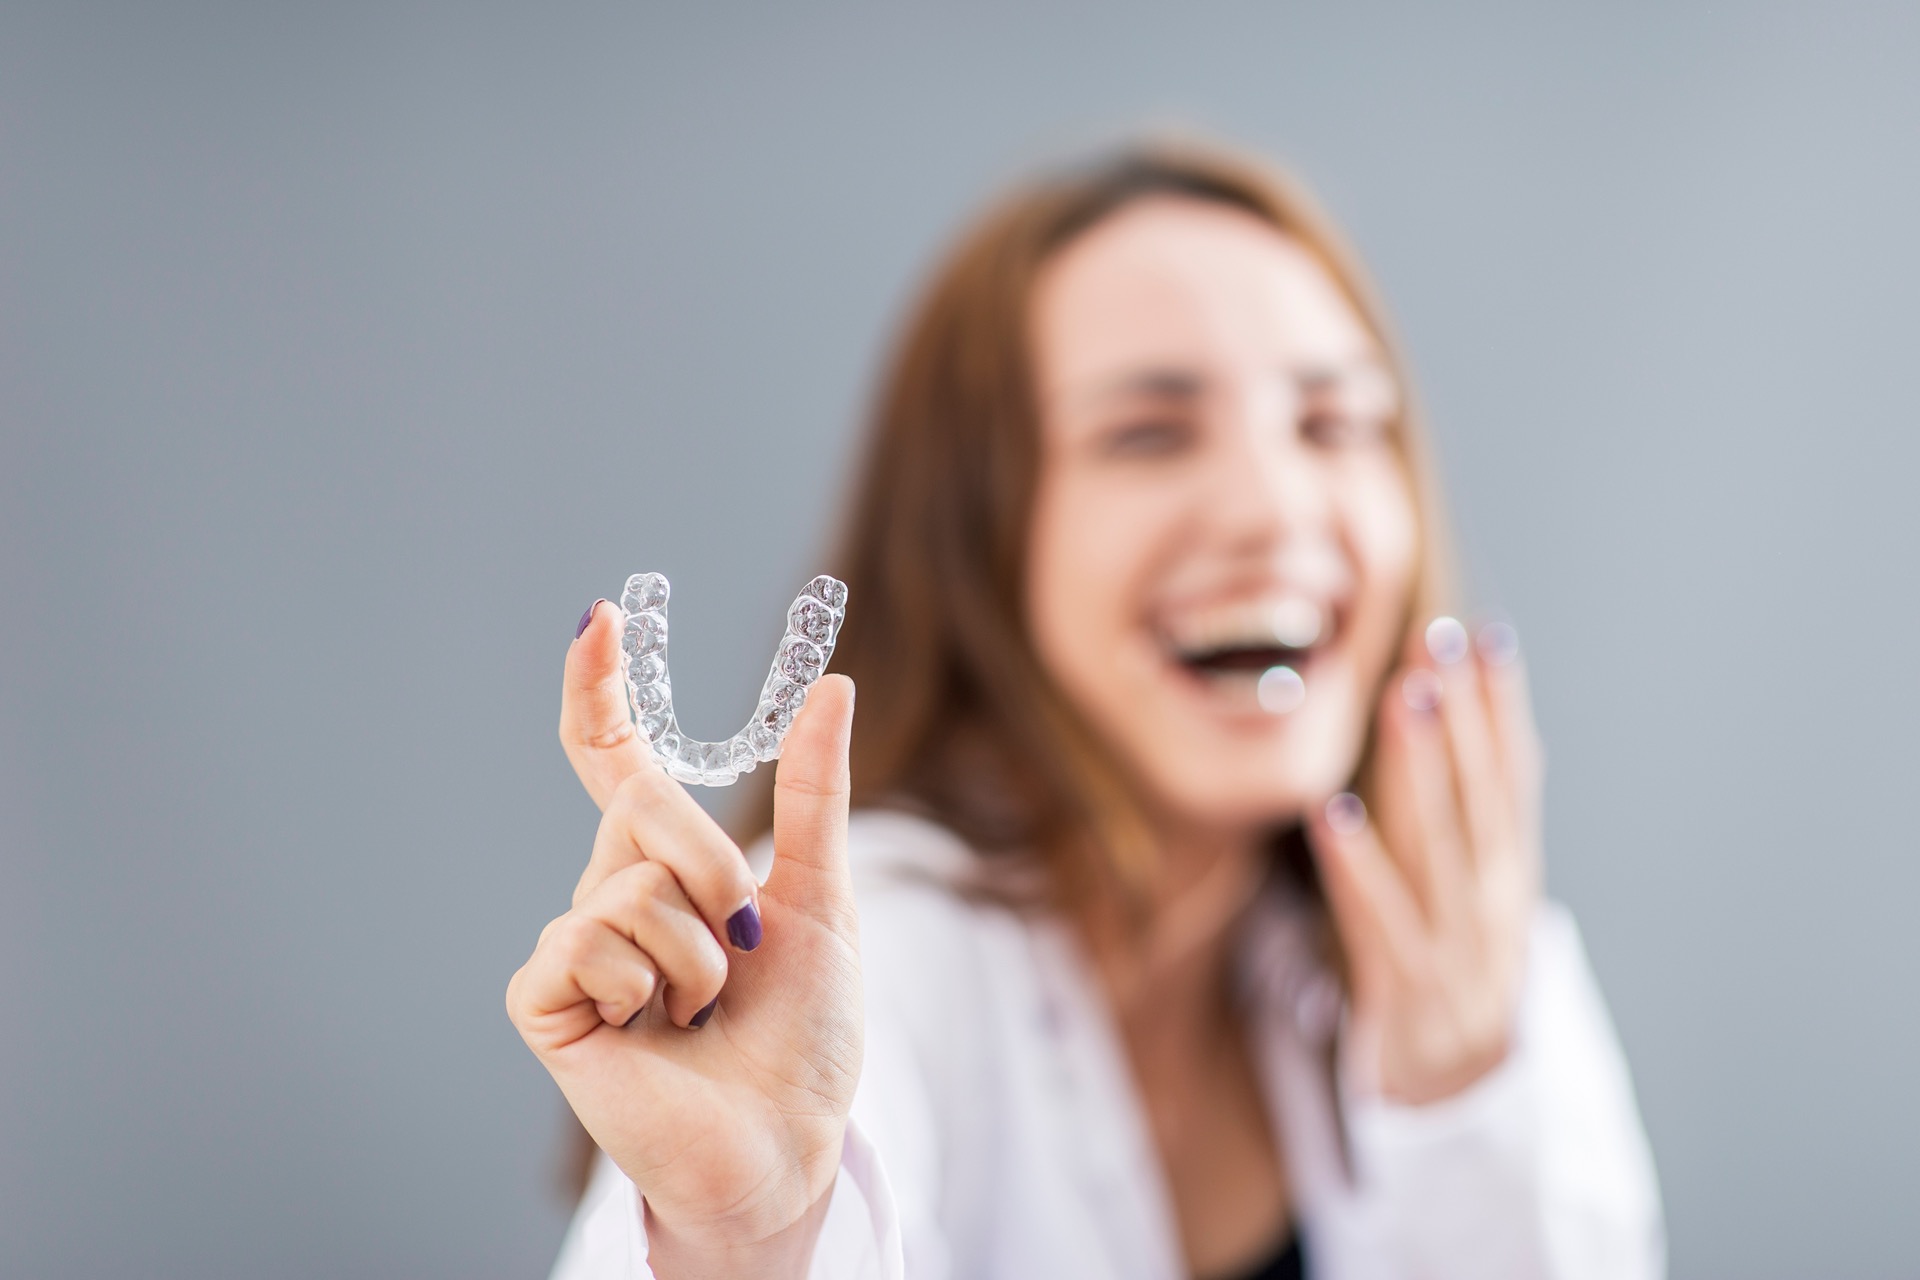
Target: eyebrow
[(1165, 384), (1183, 384), (1330, 377)]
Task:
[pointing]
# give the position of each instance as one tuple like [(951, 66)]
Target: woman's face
[(1219, 495)]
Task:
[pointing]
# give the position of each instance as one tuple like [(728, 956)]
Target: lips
[(1290, 621), (1226, 649)]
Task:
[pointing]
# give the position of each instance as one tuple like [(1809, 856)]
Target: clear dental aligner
[(813, 623)]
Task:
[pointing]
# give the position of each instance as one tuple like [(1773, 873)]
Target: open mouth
[(1271, 678), (1253, 657), (1252, 660)]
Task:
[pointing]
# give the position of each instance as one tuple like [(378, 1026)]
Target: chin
[(1276, 784), (1213, 760)]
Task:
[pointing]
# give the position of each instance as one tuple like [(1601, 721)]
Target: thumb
[(810, 790)]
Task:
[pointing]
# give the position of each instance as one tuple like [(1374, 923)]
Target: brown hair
[(957, 719)]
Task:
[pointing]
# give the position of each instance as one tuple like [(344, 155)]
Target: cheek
[(1089, 550), (1383, 534), (1062, 577)]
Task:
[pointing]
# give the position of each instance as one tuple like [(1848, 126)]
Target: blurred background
[(348, 351)]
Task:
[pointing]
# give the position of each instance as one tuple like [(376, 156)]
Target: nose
[(1267, 487)]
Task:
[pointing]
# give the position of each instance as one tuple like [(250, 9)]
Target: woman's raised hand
[(728, 1116), (1434, 903)]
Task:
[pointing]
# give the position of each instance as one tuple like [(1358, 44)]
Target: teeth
[(1296, 622), (813, 623), (1291, 622)]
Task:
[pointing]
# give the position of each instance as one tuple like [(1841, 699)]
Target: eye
[(1334, 430), (1147, 438)]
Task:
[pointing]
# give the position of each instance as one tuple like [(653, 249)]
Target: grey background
[(346, 352)]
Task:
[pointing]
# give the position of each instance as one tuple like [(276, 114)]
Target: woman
[(1195, 853)]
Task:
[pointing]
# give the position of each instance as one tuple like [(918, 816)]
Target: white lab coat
[(996, 1132)]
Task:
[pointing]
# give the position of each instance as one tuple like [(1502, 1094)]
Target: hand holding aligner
[(813, 623)]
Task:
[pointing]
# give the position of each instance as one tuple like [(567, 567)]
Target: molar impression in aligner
[(813, 623)]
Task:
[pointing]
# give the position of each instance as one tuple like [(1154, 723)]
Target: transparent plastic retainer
[(813, 623)]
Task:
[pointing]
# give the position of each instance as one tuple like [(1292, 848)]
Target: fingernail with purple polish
[(700, 1019), (1421, 689), (743, 927), (1447, 640), (636, 1013), (1346, 814), (1498, 642), (585, 618)]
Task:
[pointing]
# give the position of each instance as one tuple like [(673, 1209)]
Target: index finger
[(596, 730), (652, 818)]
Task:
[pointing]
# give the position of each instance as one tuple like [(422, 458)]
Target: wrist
[(1423, 1084), (784, 1253)]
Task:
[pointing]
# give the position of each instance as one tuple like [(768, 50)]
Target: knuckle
[(574, 941), (724, 878), (639, 795), (710, 962), (590, 727), (608, 736), (646, 884), (831, 788)]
